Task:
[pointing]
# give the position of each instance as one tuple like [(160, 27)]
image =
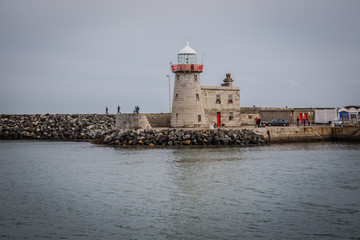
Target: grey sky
[(80, 56)]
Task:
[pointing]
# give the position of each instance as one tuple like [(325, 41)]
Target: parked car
[(278, 122), (337, 122)]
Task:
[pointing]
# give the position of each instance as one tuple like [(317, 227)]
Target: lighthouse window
[(197, 97), (230, 98), (178, 77), (176, 97), (187, 58), (218, 98), (231, 116), (181, 59), (195, 78), (199, 118)]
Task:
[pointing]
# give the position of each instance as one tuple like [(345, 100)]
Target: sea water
[(77, 190)]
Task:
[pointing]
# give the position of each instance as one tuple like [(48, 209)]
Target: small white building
[(350, 115), (348, 110)]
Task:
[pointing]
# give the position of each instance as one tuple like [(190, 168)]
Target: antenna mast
[(202, 59)]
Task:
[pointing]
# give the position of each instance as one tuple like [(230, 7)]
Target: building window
[(249, 117), (195, 78), (230, 99), (199, 118), (178, 77), (218, 98), (176, 97), (197, 97), (231, 116)]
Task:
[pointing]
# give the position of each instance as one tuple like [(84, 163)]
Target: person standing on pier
[(258, 122), (106, 110), (118, 110)]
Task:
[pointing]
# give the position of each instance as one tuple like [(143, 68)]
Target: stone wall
[(268, 115), (132, 121), (248, 114), (309, 134), (187, 101), (346, 133), (196, 106), (290, 114), (159, 120), (248, 119), (225, 107)]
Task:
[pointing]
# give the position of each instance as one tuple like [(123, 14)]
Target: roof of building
[(352, 106), (351, 109), (187, 49)]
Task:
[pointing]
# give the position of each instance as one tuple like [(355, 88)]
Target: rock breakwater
[(181, 137), (100, 128), (56, 126)]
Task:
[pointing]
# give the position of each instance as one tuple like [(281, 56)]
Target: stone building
[(201, 106)]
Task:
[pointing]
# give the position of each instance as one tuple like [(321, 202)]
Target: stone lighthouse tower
[(188, 107)]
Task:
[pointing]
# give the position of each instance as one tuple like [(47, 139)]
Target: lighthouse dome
[(187, 55), (187, 49)]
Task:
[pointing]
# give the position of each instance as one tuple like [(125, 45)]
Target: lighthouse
[(194, 105), (188, 107)]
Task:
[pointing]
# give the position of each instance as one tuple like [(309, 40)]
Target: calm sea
[(74, 190)]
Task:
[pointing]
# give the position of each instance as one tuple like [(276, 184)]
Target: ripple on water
[(65, 190)]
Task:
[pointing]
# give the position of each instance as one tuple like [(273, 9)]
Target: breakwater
[(56, 126), (181, 137), (100, 128)]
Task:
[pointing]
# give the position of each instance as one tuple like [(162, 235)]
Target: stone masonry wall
[(187, 101), (268, 115), (132, 121), (159, 120), (211, 107), (346, 133), (248, 119), (309, 134)]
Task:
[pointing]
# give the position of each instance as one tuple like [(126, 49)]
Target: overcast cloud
[(81, 56)]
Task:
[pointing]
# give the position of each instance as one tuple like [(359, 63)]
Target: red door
[(300, 118), (218, 119)]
